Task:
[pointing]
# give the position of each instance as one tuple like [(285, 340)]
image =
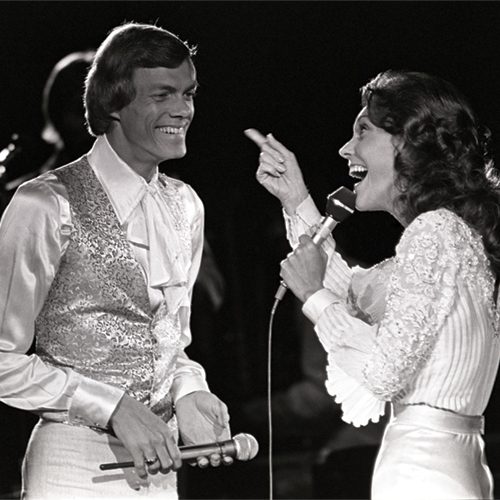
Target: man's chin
[(174, 154)]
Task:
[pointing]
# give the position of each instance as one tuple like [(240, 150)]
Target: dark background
[(293, 68)]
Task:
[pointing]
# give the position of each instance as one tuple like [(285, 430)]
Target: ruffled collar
[(125, 188), (148, 216)]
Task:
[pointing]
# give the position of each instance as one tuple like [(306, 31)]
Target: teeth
[(358, 171), (171, 130)]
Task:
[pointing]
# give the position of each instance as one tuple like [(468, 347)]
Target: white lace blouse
[(419, 328)]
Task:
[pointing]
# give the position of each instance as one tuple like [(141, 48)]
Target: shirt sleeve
[(34, 233), (422, 292), (378, 361), (189, 375)]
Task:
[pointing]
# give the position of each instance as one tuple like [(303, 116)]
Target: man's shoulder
[(73, 165)]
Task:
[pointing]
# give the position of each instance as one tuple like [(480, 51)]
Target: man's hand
[(203, 418), (146, 437)]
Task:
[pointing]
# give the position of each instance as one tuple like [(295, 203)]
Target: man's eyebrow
[(171, 88)]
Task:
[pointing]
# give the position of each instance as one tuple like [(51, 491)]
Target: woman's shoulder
[(443, 236), (440, 224)]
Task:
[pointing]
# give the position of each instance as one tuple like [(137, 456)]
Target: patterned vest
[(97, 318)]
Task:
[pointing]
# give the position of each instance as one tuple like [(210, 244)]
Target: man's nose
[(181, 107)]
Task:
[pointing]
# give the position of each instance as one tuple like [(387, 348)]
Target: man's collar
[(124, 187)]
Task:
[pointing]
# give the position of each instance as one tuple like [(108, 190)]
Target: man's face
[(153, 127)]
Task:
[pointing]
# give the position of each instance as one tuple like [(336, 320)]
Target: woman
[(419, 330)]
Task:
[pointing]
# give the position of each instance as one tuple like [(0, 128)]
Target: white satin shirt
[(34, 234)]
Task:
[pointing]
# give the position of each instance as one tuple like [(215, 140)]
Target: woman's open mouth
[(358, 172)]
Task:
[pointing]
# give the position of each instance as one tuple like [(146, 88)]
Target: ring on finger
[(151, 461)]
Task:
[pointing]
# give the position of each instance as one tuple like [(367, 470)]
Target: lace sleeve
[(420, 296)]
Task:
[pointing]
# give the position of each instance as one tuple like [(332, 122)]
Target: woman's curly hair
[(443, 160)]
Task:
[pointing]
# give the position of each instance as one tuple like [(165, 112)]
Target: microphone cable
[(340, 205), (269, 399)]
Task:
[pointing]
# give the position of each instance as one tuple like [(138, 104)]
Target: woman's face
[(370, 153)]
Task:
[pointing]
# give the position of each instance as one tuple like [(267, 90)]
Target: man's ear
[(115, 116)]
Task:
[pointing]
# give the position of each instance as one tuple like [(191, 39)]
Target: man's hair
[(108, 86)]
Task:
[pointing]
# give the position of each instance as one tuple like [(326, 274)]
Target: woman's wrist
[(291, 203)]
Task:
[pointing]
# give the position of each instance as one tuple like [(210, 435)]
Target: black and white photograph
[(249, 250)]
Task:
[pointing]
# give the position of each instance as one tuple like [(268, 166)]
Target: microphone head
[(340, 204), (246, 446)]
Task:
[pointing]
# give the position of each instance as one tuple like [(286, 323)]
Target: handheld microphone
[(241, 447), (339, 205)]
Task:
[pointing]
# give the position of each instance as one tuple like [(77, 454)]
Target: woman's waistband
[(437, 419)]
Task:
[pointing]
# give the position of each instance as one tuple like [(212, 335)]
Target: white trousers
[(62, 462), (427, 453)]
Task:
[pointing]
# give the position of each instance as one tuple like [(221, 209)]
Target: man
[(98, 262)]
